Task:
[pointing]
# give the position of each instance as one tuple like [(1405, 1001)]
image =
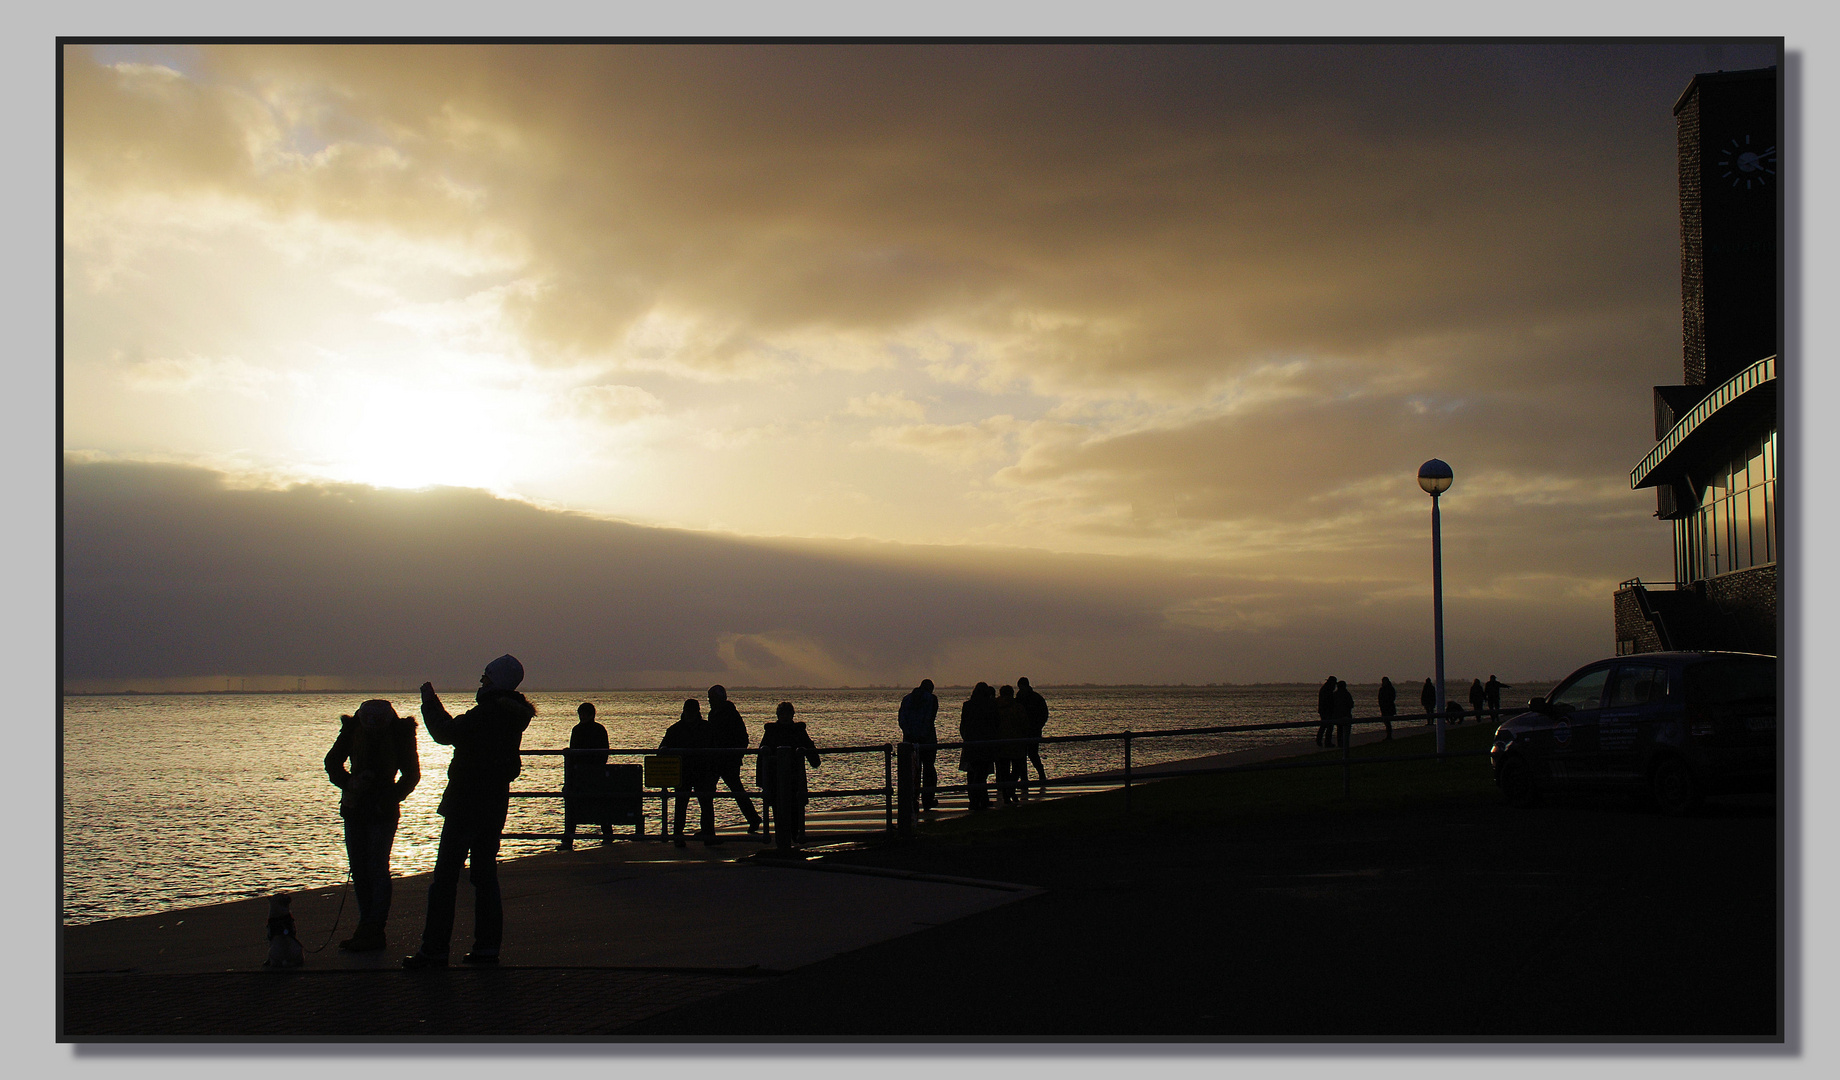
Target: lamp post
[(1435, 476)]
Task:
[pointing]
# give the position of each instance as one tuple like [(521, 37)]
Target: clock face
[(1746, 165)]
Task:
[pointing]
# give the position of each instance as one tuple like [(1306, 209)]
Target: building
[(1714, 466)]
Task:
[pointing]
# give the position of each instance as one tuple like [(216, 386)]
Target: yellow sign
[(664, 772)]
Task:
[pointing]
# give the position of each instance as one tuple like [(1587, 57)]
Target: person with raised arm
[(486, 739)]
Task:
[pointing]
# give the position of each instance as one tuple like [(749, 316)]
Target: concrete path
[(631, 905)]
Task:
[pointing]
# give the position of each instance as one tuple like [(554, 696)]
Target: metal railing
[(900, 789), (907, 798), (788, 760)]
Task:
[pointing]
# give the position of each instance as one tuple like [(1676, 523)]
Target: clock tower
[(1729, 192), (1715, 466)]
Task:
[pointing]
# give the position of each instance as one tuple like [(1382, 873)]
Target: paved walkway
[(596, 939)]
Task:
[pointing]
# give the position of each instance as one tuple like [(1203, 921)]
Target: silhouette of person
[(486, 739), (1013, 755), (1453, 712), (1344, 713), (726, 728), (1325, 712), (1492, 692), (384, 770), (584, 779), (977, 723), (696, 772), (1037, 711), (1388, 703), (785, 731), (1428, 698), (1476, 698), (917, 717)]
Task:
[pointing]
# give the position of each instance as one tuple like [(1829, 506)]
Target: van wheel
[(1673, 787), (1516, 782)]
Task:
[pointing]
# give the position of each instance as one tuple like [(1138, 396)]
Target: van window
[(1638, 684), (1732, 680), (1584, 692)]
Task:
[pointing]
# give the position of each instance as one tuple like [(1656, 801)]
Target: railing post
[(1347, 743), (907, 797), (784, 831), (888, 784), (1127, 771)]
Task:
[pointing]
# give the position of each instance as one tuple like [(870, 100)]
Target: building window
[(1735, 527)]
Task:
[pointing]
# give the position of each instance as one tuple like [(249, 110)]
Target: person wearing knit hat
[(486, 739)]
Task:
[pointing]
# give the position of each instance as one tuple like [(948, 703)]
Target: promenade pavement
[(596, 940)]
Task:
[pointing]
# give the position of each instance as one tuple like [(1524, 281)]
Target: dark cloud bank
[(171, 572)]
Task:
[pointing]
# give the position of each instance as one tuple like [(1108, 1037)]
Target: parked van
[(1680, 725)]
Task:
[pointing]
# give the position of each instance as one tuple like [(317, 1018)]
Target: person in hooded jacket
[(977, 723), (1013, 754), (1389, 708), (1344, 713), (697, 771), (1477, 697), (486, 739), (1428, 698), (789, 803), (384, 769), (1036, 709), (917, 715), (726, 728), (584, 779), (1325, 712)]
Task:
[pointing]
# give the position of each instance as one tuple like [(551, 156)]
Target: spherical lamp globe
[(1434, 476)]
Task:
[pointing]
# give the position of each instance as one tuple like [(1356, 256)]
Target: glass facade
[(1735, 527)]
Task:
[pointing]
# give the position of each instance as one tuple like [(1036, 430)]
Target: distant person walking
[(1477, 696), (1492, 691), (1013, 754), (786, 788), (1036, 708), (1325, 712), (384, 769), (1428, 698), (727, 729), (1344, 713), (918, 717), (977, 723), (1388, 704), (696, 772), (585, 783), (486, 739)]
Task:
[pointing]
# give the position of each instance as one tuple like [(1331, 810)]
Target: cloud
[(964, 445), (614, 404), (193, 374), (897, 405), (1120, 216), (172, 571)]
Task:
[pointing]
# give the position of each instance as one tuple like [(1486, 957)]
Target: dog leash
[(343, 893)]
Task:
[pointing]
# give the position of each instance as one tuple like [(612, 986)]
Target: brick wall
[(1692, 245), (1733, 611)]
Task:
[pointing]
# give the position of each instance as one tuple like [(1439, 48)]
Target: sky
[(853, 364)]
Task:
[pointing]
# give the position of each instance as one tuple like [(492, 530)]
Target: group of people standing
[(1335, 706), (726, 730), (375, 764)]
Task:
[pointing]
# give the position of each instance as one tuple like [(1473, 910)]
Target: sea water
[(180, 800)]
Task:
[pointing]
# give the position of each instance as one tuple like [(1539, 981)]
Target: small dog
[(283, 945)]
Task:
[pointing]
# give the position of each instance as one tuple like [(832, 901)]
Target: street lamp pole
[(1435, 476)]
